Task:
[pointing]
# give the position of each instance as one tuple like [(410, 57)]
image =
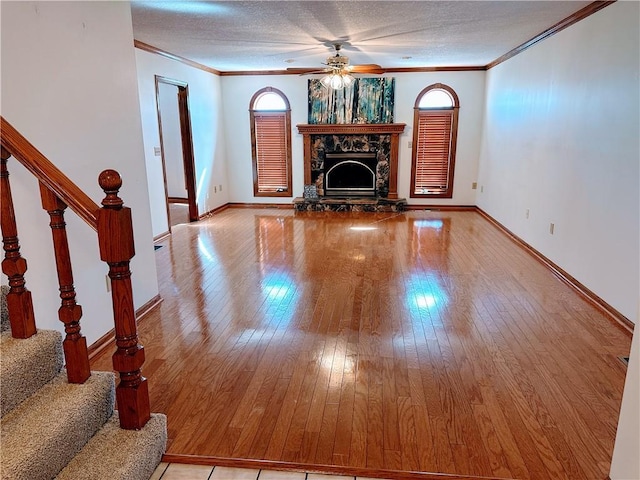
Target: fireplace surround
[(381, 140)]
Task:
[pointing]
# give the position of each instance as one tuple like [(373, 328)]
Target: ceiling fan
[(339, 65)]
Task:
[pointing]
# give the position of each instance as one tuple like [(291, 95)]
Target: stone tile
[(159, 471), (275, 475), (178, 471), (322, 476), (230, 473)]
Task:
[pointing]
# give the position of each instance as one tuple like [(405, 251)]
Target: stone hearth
[(353, 204)]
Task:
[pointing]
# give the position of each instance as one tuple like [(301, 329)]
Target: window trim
[(254, 156), (448, 191)]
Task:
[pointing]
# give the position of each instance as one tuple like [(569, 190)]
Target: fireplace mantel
[(392, 129)]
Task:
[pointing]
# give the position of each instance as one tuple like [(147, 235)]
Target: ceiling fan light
[(326, 80), (336, 82)]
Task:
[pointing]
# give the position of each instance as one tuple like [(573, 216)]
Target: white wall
[(172, 140), (238, 92), (469, 86), (207, 133), (69, 86), (625, 464), (561, 140)]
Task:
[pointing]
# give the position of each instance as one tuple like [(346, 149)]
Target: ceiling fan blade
[(366, 68), (305, 71)]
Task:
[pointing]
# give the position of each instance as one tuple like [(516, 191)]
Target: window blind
[(433, 151), (271, 151)]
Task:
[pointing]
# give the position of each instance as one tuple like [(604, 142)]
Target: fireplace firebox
[(349, 174)]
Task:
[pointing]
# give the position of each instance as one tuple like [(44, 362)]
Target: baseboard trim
[(103, 342), (211, 213), (617, 318), (147, 307), (182, 200), (284, 206), (109, 338), (302, 467), (162, 236), (450, 208)]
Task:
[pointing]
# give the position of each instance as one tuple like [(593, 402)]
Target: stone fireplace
[(352, 160)]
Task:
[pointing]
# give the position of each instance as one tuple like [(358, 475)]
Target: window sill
[(272, 194), (431, 195)]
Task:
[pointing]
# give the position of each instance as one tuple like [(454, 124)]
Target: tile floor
[(180, 471)]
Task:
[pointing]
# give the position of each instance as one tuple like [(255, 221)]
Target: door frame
[(187, 146)]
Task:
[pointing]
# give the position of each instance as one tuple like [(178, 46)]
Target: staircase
[(53, 429), (61, 422)]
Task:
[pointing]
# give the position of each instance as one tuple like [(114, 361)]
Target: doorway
[(176, 150)]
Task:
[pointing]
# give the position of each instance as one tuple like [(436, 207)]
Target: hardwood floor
[(422, 341), (178, 213)]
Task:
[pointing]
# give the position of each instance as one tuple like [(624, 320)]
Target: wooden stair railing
[(112, 222), (69, 313)]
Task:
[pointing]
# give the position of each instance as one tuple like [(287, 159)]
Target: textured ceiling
[(273, 35)]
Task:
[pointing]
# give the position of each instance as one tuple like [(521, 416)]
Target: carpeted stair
[(53, 429)]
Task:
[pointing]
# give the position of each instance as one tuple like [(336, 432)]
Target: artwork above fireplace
[(365, 101)]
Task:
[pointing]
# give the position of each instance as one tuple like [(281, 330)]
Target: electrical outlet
[(526, 214), (156, 151), (481, 188), (220, 187), (552, 227), (215, 189), (474, 185)]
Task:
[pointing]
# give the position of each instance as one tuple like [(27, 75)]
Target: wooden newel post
[(115, 237), (19, 303), (69, 313)]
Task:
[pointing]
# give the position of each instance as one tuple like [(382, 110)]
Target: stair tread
[(50, 427), (27, 364), (41, 435), (116, 454)]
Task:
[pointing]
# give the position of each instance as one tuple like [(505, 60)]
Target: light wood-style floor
[(422, 341), (178, 213)]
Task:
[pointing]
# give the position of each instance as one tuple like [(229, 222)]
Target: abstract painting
[(366, 100)]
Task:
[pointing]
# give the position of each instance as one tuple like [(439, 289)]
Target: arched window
[(435, 130), (270, 115)]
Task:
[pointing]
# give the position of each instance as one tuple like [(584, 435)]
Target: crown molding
[(468, 68), (561, 25), (265, 72), (163, 53), (384, 71)]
